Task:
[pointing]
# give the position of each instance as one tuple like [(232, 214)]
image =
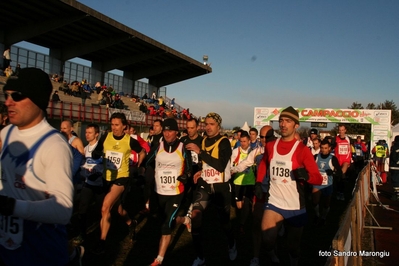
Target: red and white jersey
[(283, 187), (343, 150)]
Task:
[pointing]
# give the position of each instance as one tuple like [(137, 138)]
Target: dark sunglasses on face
[(16, 96), (269, 134)]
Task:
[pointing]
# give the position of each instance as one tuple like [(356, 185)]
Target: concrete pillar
[(97, 73)]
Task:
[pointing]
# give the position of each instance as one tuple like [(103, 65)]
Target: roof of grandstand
[(72, 29)]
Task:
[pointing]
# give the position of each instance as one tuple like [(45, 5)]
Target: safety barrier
[(347, 242), (100, 114)]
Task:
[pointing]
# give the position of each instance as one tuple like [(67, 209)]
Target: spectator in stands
[(161, 102), (168, 113), (117, 102), (156, 105), (153, 97), (75, 88), (100, 97), (186, 114), (87, 88), (172, 103), (65, 88), (107, 98), (6, 57), (83, 94), (55, 98), (17, 69), (152, 110), (110, 89), (8, 71), (143, 108), (161, 111), (98, 87)]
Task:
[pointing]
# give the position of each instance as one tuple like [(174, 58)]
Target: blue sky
[(273, 53)]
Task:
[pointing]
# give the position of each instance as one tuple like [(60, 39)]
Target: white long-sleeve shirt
[(42, 186), (248, 162)]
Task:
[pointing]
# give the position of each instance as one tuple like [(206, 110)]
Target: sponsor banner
[(380, 120), (136, 116), (362, 116)]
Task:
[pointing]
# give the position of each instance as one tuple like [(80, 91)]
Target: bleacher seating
[(67, 98)]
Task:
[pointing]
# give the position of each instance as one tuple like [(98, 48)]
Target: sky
[(320, 54)]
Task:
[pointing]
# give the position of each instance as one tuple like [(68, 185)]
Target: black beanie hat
[(291, 113), (170, 124), (32, 83)]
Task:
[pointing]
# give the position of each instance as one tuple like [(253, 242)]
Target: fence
[(100, 114), (347, 243)]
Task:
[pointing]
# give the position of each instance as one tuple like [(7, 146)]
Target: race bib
[(194, 157), (11, 232), (325, 179), (280, 172), (343, 150), (211, 175), (113, 160), (166, 180)]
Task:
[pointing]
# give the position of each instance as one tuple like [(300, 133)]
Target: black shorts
[(168, 208), (218, 193), (122, 181), (244, 191)]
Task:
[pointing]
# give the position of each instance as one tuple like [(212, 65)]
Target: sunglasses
[(16, 96), (269, 134)]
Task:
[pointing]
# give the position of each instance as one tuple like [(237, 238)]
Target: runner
[(93, 188), (212, 183), (244, 181), (172, 164), (36, 196), (254, 158), (343, 153), (115, 148), (290, 165), (192, 137), (328, 166)]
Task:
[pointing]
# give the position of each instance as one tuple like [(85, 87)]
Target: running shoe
[(100, 248), (199, 262), (156, 263), (254, 262), (188, 224), (233, 252), (78, 240), (77, 259), (145, 211)]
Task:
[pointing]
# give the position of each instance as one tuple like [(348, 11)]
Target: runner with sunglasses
[(36, 191)]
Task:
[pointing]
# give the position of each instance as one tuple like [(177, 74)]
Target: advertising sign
[(380, 120)]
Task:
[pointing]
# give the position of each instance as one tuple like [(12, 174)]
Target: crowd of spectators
[(8, 72), (107, 95), (159, 107)]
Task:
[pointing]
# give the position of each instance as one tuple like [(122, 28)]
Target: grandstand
[(71, 108)]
